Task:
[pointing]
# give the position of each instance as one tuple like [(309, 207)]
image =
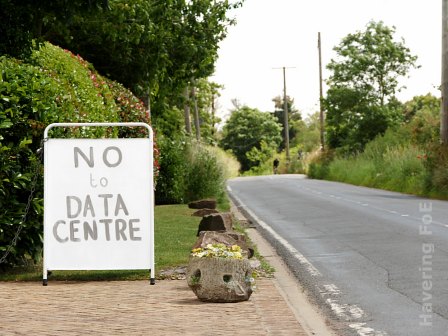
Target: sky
[(271, 34)]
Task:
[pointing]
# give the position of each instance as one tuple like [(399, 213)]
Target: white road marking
[(300, 257), (362, 330), (367, 205), (348, 312), (331, 289)]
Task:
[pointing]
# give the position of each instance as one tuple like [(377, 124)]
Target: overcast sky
[(275, 33)]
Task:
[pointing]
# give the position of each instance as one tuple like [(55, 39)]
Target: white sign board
[(98, 205)]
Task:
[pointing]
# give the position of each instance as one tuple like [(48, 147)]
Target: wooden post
[(285, 115), (444, 108), (321, 96)]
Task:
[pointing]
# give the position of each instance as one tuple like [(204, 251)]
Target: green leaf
[(25, 142), (6, 124)]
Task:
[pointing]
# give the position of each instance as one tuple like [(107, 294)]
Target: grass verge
[(174, 234)]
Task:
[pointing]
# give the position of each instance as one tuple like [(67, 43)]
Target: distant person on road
[(276, 163)]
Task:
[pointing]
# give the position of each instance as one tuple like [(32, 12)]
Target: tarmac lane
[(371, 259)]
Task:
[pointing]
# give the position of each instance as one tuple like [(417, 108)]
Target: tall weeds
[(390, 162), (190, 170)]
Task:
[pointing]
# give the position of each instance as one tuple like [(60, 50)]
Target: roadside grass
[(400, 168), (174, 234)]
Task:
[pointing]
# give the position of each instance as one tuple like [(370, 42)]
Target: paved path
[(137, 308), (167, 308)]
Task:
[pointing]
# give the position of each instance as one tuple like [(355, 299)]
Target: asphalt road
[(376, 262)]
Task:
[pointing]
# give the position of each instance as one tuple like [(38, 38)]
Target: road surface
[(375, 261)]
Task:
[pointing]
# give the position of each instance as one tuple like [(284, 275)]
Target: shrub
[(25, 94), (82, 95), (205, 176), (318, 167), (171, 183), (436, 162), (227, 161), (56, 86), (188, 171), (16, 177)]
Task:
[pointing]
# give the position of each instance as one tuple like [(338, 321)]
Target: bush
[(205, 176), (25, 95), (436, 162), (188, 171), (16, 177), (407, 158), (56, 86), (171, 183), (389, 162), (318, 167), (227, 161)]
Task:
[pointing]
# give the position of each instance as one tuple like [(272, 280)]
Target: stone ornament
[(220, 279)]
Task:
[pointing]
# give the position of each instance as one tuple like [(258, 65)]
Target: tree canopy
[(153, 46), (248, 128), (25, 20), (361, 99)]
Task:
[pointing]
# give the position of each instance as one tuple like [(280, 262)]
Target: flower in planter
[(218, 251)]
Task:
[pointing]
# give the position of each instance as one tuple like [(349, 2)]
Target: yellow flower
[(235, 248)]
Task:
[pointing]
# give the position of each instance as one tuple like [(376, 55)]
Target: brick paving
[(137, 308)]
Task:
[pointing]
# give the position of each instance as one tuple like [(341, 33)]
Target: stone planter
[(220, 279)]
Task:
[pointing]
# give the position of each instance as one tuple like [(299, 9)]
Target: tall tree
[(152, 47), (207, 93), (361, 100), (25, 20), (249, 128)]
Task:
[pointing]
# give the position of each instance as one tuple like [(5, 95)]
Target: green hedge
[(188, 171), (58, 86), (55, 86)]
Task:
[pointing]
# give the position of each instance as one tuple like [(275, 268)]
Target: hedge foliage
[(54, 86), (57, 86), (188, 171)]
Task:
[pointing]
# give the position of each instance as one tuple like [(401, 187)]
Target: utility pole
[(321, 96), (285, 113), (444, 108)]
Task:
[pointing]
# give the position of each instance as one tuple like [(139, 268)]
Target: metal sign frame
[(150, 186)]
